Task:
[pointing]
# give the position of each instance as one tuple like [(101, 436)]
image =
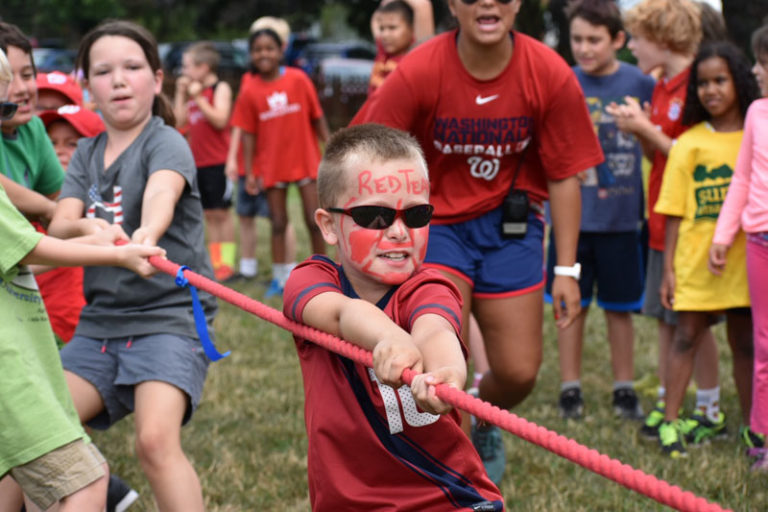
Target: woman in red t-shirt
[(486, 102)]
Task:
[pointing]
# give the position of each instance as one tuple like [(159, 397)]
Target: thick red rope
[(634, 479)]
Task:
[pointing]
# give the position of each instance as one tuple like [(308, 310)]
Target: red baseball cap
[(85, 122), (62, 83)]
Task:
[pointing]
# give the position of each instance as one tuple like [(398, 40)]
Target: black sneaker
[(626, 404), (570, 404), (120, 496)]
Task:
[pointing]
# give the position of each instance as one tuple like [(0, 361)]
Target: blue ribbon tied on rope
[(201, 323)]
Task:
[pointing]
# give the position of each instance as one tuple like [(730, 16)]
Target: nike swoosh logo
[(482, 101)]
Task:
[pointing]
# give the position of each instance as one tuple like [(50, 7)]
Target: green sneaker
[(489, 444), (698, 429), (750, 438), (671, 439), (650, 428)]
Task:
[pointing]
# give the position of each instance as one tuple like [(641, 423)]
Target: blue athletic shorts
[(611, 261), (249, 205), (495, 267)]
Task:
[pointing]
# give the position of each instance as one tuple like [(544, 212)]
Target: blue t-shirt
[(612, 193)]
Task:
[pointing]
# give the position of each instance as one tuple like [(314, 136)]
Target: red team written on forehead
[(407, 183)]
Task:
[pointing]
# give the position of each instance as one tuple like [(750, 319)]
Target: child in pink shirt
[(746, 206)]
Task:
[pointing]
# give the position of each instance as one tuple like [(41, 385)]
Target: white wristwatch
[(574, 271)]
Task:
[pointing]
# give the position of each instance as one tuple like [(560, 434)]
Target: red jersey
[(280, 114), (209, 145), (383, 65), (369, 446), (667, 105), (474, 131)]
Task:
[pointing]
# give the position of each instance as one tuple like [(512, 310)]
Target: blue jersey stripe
[(305, 291), (435, 306), (457, 488)]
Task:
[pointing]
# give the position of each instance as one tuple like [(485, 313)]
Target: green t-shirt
[(36, 410), (28, 158)]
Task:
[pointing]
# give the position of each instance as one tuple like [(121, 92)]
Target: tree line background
[(64, 22)]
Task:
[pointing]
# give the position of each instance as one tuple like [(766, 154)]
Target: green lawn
[(248, 444)]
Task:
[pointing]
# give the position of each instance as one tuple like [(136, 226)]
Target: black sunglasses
[(381, 217), (470, 2), (7, 110)]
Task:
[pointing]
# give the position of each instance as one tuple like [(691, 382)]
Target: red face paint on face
[(380, 258)]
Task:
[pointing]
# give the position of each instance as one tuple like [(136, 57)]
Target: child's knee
[(520, 377), (279, 224), (683, 342), (153, 445)]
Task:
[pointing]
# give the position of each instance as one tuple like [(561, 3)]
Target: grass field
[(248, 444)]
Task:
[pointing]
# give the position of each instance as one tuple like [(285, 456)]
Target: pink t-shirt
[(746, 203)]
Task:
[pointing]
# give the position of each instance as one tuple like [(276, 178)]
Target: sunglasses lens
[(373, 217), (381, 217), (418, 216)]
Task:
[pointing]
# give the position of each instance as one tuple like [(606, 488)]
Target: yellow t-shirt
[(696, 180)]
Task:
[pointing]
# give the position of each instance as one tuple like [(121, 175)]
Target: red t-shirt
[(209, 145), (667, 105), (473, 131), (244, 80), (383, 65), (62, 292), (280, 114), (369, 447)]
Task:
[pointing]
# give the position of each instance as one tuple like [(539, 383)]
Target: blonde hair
[(206, 53), (279, 25), (674, 24), (6, 75)]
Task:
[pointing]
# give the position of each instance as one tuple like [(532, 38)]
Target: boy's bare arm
[(216, 113), (67, 253), (363, 324), (68, 220), (423, 19), (443, 361), (28, 202), (634, 118)]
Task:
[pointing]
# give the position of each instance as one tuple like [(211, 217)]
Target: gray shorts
[(653, 275), (249, 205), (114, 366)]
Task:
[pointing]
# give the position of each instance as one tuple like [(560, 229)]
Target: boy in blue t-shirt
[(612, 208)]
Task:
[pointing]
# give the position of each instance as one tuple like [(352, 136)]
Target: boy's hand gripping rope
[(634, 479)]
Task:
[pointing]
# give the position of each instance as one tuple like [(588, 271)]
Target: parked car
[(234, 62), (54, 59), (310, 57), (342, 85)]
